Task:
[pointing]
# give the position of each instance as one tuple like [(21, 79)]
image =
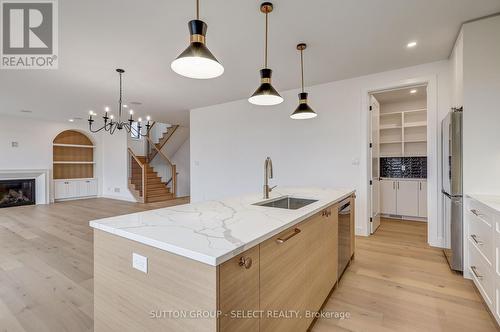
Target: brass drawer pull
[(474, 270), (245, 262), (288, 237), (474, 237)]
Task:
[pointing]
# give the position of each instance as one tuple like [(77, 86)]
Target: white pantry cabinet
[(388, 197), (403, 197), (422, 199), (75, 188), (407, 198)]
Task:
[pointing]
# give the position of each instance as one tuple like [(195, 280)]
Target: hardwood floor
[(46, 263), (396, 282)]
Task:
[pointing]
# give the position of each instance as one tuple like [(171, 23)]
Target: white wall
[(229, 142), (481, 98), (138, 146), (115, 166), (181, 160), (34, 139)]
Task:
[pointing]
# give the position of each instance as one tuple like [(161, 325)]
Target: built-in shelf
[(390, 127), (415, 124), (399, 112), (74, 162), (73, 156), (74, 145), (403, 133)]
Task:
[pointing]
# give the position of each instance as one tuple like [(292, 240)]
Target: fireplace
[(17, 192)]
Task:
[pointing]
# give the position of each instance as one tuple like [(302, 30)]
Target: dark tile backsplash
[(405, 167)]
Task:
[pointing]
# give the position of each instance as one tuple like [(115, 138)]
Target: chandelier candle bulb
[(121, 122)]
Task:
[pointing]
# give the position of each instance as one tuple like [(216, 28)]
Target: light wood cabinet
[(239, 287), (283, 277), (289, 274)]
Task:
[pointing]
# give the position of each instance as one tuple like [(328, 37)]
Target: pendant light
[(197, 61), (303, 111), (265, 93)]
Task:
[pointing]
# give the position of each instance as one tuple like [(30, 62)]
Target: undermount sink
[(290, 203)]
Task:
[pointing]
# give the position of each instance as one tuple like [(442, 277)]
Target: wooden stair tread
[(156, 190)]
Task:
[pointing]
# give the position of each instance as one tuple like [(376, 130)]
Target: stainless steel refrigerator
[(452, 187)]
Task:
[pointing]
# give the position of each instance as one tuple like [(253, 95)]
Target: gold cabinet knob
[(246, 262)]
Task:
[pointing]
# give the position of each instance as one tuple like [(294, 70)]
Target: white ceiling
[(345, 39), (401, 95)]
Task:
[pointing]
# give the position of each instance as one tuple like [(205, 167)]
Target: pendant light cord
[(302, 67), (267, 29), (120, 100), (197, 9)]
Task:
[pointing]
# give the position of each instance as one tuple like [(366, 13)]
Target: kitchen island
[(228, 265)]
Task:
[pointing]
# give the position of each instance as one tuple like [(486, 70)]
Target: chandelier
[(111, 125)]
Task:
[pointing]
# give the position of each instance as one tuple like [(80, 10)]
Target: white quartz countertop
[(213, 232), (493, 201)]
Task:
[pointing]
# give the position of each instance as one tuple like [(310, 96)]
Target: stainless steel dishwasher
[(344, 223)]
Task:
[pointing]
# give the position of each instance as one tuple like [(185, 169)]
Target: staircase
[(153, 177), (161, 142), (142, 178)]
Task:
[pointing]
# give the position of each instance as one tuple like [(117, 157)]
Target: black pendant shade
[(196, 48), (197, 61), (265, 93), (303, 111)]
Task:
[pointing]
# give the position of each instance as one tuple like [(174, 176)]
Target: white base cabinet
[(483, 251), (403, 197), (74, 188)]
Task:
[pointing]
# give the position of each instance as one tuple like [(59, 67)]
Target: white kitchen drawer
[(496, 248), (482, 275), (480, 210), (481, 234), (497, 304)]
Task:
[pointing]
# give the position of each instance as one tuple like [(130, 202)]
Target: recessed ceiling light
[(411, 44), (26, 111), (135, 103), (71, 120), (413, 91)]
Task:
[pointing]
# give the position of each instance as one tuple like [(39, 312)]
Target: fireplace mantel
[(41, 176)]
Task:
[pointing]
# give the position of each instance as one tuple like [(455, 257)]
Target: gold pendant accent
[(197, 39)]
